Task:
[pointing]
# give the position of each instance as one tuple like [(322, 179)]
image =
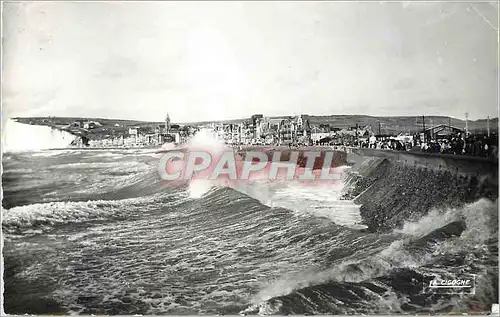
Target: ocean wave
[(398, 255), (50, 153), (478, 217), (106, 154), (104, 165), (46, 215)]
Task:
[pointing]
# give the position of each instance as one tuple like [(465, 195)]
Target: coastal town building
[(141, 135), (261, 130), (91, 125)]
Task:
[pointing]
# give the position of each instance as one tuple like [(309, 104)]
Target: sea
[(98, 232)]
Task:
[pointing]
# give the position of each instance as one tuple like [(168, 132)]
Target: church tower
[(167, 124)]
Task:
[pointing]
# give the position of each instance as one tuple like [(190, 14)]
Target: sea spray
[(204, 139)]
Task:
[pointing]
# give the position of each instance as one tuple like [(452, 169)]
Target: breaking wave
[(357, 279)]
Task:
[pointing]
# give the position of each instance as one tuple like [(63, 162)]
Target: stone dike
[(394, 187)]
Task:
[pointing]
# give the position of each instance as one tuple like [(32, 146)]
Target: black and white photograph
[(249, 158)]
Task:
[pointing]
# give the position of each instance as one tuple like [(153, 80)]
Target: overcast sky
[(220, 60)]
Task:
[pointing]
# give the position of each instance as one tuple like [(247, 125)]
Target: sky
[(203, 61)]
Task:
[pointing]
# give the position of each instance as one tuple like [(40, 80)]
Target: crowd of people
[(387, 144), (459, 144)]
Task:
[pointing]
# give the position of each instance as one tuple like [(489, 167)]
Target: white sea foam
[(108, 154), (319, 199), (60, 212), (206, 140), (477, 216), (322, 200), (49, 153), (198, 187), (51, 213)]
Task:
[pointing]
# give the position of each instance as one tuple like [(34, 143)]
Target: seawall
[(394, 187), (461, 164)]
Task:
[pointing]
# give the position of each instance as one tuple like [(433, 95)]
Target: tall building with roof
[(167, 123)]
